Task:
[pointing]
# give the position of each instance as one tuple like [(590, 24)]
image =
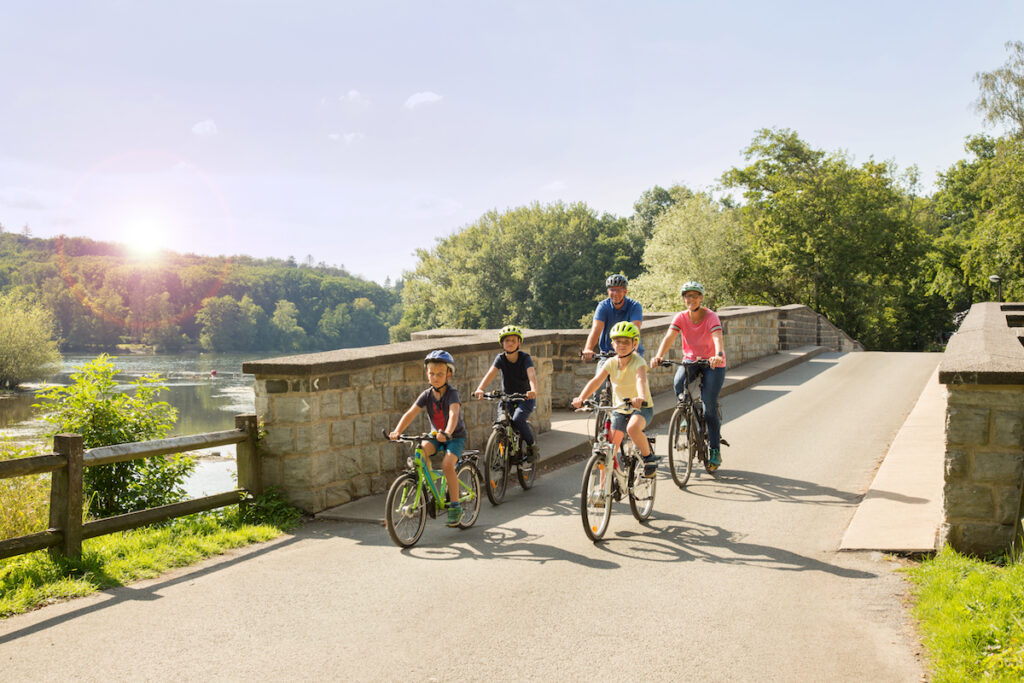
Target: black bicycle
[(688, 428), (505, 447)]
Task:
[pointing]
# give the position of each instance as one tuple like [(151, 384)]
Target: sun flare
[(145, 238)]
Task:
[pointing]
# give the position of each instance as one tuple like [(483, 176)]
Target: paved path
[(736, 578)]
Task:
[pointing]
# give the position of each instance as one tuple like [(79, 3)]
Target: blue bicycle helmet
[(439, 356)]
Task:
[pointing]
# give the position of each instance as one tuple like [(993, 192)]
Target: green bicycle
[(422, 490)]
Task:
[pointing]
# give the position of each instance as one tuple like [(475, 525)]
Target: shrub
[(93, 407), (25, 501)]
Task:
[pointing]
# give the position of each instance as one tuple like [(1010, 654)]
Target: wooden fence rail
[(66, 532)]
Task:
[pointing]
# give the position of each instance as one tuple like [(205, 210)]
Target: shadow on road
[(669, 538), (758, 487)]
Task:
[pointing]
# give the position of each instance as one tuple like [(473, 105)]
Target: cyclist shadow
[(670, 538), (757, 487)]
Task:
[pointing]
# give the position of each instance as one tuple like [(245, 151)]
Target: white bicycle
[(627, 468)]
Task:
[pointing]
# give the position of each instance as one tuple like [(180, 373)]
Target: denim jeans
[(522, 411), (710, 388)]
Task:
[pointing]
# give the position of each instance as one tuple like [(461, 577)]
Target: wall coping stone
[(985, 350)]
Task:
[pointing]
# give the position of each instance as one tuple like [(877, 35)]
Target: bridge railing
[(68, 461)]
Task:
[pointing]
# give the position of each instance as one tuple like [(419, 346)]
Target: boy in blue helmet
[(444, 411)]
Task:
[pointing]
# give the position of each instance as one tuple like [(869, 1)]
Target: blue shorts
[(454, 446), (620, 420)]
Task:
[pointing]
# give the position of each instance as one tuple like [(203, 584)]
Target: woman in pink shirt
[(701, 333)]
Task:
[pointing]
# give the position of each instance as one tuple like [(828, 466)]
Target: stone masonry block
[(361, 486), (362, 378), (378, 483), (363, 430), (340, 381), (300, 472), (270, 471), (342, 432), (293, 409), (413, 372), (966, 425), (381, 423), (980, 539), (350, 402), (278, 440), (307, 500), (337, 494), (1007, 504), (277, 386), (969, 502), (1008, 428), (370, 400), (330, 405), (957, 463), (370, 459), (1004, 468), (347, 464)]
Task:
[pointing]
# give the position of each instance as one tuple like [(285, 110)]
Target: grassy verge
[(971, 616), (32, 580)]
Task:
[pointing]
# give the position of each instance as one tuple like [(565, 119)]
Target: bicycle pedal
[(724, 442)]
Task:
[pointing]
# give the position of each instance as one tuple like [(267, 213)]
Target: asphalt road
[(735, 578)]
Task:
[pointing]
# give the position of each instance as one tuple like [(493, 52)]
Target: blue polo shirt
[(607, 313)]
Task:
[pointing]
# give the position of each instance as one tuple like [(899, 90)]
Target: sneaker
[(454, 514), (650, 466), (531, 453), (714, 459)]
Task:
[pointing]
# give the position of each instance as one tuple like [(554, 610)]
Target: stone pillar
[(983, 370)]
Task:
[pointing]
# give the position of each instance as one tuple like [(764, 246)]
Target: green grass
[(971, 616), (32, 580)]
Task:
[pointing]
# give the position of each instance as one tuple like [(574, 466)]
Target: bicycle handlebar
[(590, 404), (502, 396), (666, 363), (411, 438)]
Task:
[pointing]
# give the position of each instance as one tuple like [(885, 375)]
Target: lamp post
[(998, 282)]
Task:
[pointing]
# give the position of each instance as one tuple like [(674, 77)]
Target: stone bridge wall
[(323, 413), (983, 370)]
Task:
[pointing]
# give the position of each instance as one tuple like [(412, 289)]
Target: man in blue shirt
[(616, 308)]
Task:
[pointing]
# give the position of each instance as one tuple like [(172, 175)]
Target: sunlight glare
[(145, 238)]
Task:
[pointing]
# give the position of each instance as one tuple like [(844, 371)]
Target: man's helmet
[(692, 286), (508, 331), (624, 329), (440, 356), (617, 280)]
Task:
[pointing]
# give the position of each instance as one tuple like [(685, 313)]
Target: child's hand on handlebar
[(577, 402), (656, 361)]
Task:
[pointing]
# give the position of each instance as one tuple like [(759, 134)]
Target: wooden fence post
[(247, 457), (66, 496)]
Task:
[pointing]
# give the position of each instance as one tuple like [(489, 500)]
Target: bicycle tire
[(595, 519), (526, 472), (641, 489), (405, 521), (680, 462), (695, 441), (496, 466), (470, 483)]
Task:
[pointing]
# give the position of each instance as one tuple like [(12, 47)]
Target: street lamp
[(998, 282)]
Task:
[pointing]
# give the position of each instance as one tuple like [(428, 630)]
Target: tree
[(289, 336), (696, 239), (230, 325), (537, 266), (93, 407), (653, 203), (27, 348), (1002, 91)]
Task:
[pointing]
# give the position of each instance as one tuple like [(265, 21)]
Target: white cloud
[(555, 186), (347, 138), (422, 98), (205, 128), (27, 198), (356, 98)]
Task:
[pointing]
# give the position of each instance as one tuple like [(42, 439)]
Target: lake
[(207, 389)]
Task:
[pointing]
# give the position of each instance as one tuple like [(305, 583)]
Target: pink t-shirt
[(697, 341)]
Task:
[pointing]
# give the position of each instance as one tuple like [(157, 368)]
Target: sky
[(355, 133)]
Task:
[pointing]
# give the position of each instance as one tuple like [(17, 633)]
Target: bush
[(27, 350), (93, 407), (25, 501)]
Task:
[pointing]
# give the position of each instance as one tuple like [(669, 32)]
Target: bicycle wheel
[(680, 464), (470, 483), (696, 440), (527, 471), (595, 503), (599, 418), (406, 511), (641, 489), (496, 466)]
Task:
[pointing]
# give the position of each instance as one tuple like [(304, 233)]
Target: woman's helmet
[(508, 331), (692, 286), (440, 356), (617, 280), (624, 329)]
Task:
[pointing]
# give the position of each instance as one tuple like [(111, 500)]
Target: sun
[(145, 238)]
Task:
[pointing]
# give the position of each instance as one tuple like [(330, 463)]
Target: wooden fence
[(67, 531)]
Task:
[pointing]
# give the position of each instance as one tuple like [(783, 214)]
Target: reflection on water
[(208, 390)]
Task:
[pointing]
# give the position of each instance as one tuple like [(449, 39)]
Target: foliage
[(695, 239), (653, 203), (93, 407), (534, 265), (28, 581), (841, 239), (271, 507), (27, 349), (970, 617), (1001, 99), (24, 500)]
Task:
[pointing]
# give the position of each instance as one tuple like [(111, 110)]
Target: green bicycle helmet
[(624, 329), (692, 286), (508, 331)]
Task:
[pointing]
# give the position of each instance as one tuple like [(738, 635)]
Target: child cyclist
[(518, 376), (628, 374), (701, 332), (444, 412)]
